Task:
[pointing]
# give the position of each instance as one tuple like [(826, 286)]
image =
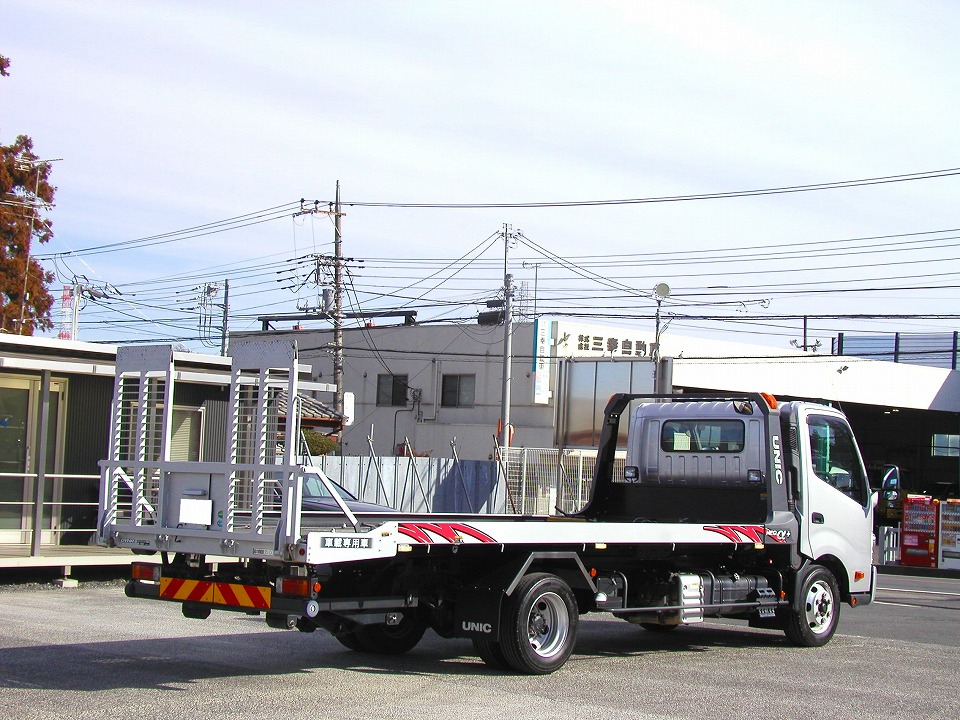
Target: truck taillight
[(298, 586), (145, 571)]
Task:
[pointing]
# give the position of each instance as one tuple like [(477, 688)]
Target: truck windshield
[(834, 456), (710, 436)]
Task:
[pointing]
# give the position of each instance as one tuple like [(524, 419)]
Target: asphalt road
[(91, 652)]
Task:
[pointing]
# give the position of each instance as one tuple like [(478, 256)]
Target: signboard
[(542, 361), (618, 345)]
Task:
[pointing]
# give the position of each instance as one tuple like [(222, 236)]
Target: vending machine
[(919, 530), (949, 534)]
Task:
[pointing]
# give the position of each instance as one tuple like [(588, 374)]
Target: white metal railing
[(888, 540), (54, 520)]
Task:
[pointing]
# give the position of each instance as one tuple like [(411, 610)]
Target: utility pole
[(806, 346), (226, 315), (507, 341), (338, 305), (27, 165), (336, 313)]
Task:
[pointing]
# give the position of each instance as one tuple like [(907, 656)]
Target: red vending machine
[(919, 530)]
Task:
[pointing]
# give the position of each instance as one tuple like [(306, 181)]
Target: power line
[(254, 218), (928, 175)]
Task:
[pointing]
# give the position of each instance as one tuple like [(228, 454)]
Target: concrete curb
[(918, 571)]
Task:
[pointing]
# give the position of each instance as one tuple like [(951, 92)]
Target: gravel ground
[(32, 579)]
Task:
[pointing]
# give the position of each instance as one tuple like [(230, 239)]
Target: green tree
[(319, 444), (25, 192)]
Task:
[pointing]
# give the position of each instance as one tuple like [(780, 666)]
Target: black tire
[(349, 640), (491, 652), (390, 639), (539, 625), (658, 628), (816, 619)]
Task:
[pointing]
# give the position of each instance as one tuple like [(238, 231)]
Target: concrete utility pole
[(338, 305), (336, 311), (507, 341), (226, 315)]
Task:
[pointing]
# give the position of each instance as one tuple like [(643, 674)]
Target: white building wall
[(424, 354)]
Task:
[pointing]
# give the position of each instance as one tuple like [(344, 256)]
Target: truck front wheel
[(539, 625), (814, 621)]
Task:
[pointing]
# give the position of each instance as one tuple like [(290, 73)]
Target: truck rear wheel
[(349, 640), (539, 625), (390, 639), (491, 652), (815, 621)]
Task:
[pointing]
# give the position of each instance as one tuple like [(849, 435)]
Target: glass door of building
[(19, 433)]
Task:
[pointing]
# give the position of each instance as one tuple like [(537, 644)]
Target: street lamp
[(660, 292)]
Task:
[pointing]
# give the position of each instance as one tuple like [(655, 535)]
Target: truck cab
[(831, 494), (791, 469)]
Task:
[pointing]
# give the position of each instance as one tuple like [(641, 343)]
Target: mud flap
[(477, 613)]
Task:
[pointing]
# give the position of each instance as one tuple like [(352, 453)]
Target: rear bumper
[(358, 610)]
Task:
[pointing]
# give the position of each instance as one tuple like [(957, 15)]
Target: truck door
[(837, 514)]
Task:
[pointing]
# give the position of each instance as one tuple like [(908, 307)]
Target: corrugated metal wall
[(86, 441), (421, 484)]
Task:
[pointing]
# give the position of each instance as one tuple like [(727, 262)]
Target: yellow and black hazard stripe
[(256, 597)]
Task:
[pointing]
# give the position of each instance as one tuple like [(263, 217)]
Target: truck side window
[(703, 436), (835, 458)]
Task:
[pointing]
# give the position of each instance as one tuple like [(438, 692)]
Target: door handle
[(817, 519)]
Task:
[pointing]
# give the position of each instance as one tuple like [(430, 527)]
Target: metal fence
[(420, 484), (544, 481), (524, 481), (888, 542), (66, 515)]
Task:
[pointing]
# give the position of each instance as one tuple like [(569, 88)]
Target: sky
[(185, 135)]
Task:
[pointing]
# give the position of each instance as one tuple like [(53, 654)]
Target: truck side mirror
[(842, 480), (890, 485)]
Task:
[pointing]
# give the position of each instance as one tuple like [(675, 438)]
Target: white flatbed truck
[(732, 506)]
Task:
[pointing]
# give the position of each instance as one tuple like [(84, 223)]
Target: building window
[(945, 445), (458, 390), (392, 390)]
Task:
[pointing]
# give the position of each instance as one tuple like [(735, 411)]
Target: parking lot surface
[(91, 652)]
